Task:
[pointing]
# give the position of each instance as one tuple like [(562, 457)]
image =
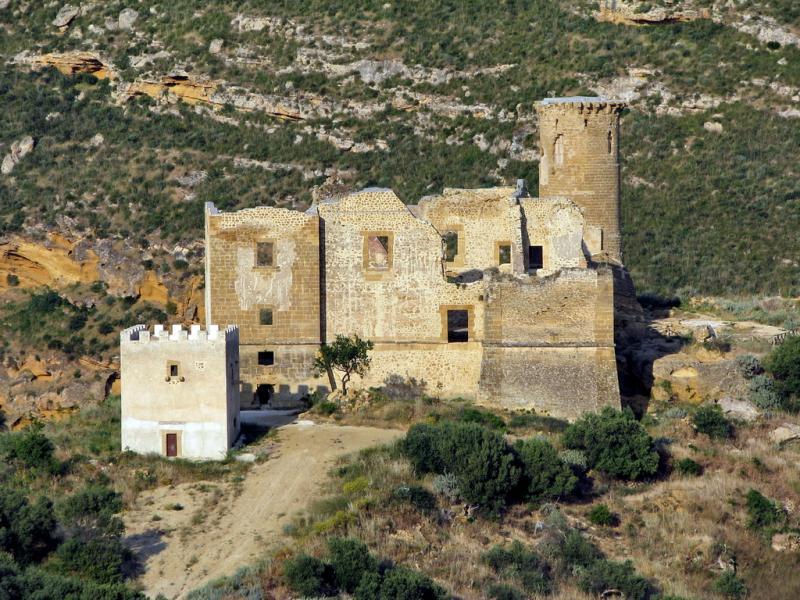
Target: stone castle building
[(180, 391), (487, 294)]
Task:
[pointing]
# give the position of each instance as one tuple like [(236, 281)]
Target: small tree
[(345, 354)]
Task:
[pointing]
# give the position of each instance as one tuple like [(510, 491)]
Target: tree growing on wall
[(348, 355)]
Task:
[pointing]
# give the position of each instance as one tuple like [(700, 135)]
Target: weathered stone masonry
[(486, 294)]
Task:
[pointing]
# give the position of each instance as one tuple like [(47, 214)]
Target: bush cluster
[(68, 549), (522, 565), (484, 468), (351, 568), (615, 443), (784, 365), (710, 420), (761, 511), (479, 466)]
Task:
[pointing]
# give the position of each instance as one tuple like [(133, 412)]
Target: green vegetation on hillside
[(703, 212)]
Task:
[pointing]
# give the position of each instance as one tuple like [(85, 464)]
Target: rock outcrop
[(53, 265), (70, 63), (18, 151), (66, 15), (630, 13)]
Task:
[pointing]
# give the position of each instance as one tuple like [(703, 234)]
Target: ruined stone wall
[(402, 308), (199, 402), (238, 290), (403, 302), (556, 224), (483, 219), (579, 139), (549, 343)]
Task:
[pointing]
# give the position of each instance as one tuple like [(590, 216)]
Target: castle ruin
[(486, 294)]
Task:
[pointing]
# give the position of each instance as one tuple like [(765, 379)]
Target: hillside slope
[(281, 99)]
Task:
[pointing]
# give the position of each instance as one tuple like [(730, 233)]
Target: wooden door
[(172, 444)]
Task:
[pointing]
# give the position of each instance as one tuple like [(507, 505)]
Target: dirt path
[(222, 527)]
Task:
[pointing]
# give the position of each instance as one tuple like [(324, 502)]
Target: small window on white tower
[(558, 150)]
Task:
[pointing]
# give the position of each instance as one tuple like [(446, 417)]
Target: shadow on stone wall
[(639, 343)]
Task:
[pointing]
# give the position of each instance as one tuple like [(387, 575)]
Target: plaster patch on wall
[(273, 286)]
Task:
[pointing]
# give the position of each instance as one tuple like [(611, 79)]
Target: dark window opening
[(263, 394), (265, 316), (610, 142), (378, 252), (173, 370), (450, 245), (457, 326), (504, 254), (264, 254), (266, 358), (535, 257)]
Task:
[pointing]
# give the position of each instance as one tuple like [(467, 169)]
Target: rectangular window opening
[(264, 254), (172, 369), (535, 257), (450, 245), (378, 252), (265, 316), (266, 358), (504, 254), (457, 326)]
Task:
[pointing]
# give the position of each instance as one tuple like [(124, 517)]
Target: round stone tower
[(579, 140)]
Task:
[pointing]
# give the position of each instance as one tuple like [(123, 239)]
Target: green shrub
[(615, 443), (604, 574), (420, 447), (748, 366), (31, 448), (416, 495), (350, 559), (326, 407), (687, 466), (710, 420), (401, 583), (784, 364), (482, 417), (485, 467), (28, 532), (307, 575), (518, 562), (100, 559), (730, 586), (601, 515), (577, 551), (761, 511), (545, 475), (763, 392)]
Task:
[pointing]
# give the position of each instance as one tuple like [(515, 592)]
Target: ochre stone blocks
[(579, 141), (491, 324)]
